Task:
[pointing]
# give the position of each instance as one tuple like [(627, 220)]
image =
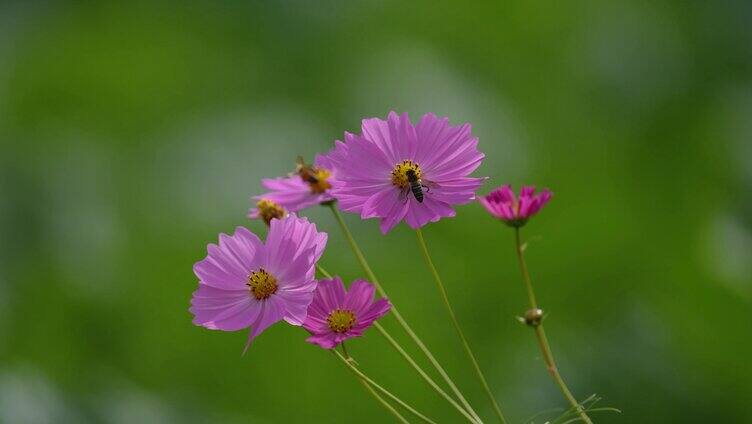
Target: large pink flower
[(296, 192), (246, 283), (336, 315), (502, 203), (396, 170)]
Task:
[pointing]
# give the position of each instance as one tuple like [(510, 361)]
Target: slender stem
[(375, 394), (372, 277), (460, 333), (422, 373), (365, 378), (540, 334), (323, 272), (384, 403), (409, 360)]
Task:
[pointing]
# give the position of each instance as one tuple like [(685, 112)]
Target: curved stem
[(323, 272), (422, 373), (348, 361), (372, 278), (540, 334), (409, 360), (460, 333), (375, 394), (384, 403)]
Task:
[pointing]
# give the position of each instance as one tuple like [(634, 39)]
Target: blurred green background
[(132, 134)]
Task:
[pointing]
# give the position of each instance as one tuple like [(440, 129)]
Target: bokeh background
[(132, 134)]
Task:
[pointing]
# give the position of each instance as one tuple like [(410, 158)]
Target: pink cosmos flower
[(396, 170), (308, 186), (336, 315), (246, 283), (502, 204)]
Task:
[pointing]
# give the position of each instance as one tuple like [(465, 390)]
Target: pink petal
[(327, 341), (227, 310), (359, 297), (229, 264)]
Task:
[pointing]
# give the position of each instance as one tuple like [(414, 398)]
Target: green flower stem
[(323, 272), (384, 403), (374, 393), (410, 360), (465, 344), (423, 374), (372, 278), (349, 362), (540, 334)]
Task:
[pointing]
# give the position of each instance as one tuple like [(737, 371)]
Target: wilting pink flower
[(308, 186), (503, 204), (396, 170), (336, 315), (246, 283)]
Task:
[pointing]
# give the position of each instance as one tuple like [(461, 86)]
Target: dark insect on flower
[(315, 177), (416, 185)]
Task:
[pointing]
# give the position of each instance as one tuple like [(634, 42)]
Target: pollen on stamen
[(319, 183), (269, 210), (262, 284), (399, 173), (341, 320)]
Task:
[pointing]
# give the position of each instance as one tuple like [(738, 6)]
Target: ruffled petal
[(226, 310), (228, 264), (327, 341), (376, 310), (272, 311), (359, 297)]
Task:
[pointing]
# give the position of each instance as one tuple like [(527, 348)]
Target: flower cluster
[(393, 170)]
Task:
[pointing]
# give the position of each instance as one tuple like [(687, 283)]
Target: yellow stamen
[(399, 174), (320, 184), (269, 210), (341, 320), (262, 284)]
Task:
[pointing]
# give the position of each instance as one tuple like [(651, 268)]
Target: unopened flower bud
[(533, 317)]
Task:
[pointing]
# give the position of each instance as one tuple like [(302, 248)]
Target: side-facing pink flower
[(246, 283), (396, 170), (308, 186), (502, 204), (336, 315)]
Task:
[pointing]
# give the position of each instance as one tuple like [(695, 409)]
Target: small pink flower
[(246, 283), (336, 315), (502, 204), (397, 170), (308, 186)]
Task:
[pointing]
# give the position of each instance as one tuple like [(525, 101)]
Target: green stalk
[(372, 278), (384, 403), (540, 334), (349, 362), (455, 322), (411, 361), (375, 394)]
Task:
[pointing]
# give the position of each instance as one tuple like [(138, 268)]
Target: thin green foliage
[(571, 415)]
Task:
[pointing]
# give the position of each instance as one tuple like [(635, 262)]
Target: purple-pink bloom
[(502, 204), (336, 315), (246, 283), (308, 186), (396, 170)]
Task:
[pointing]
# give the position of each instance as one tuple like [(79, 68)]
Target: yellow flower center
[(341, 320), (262, 284), (399, 174), (317, 180), (269, 210)]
